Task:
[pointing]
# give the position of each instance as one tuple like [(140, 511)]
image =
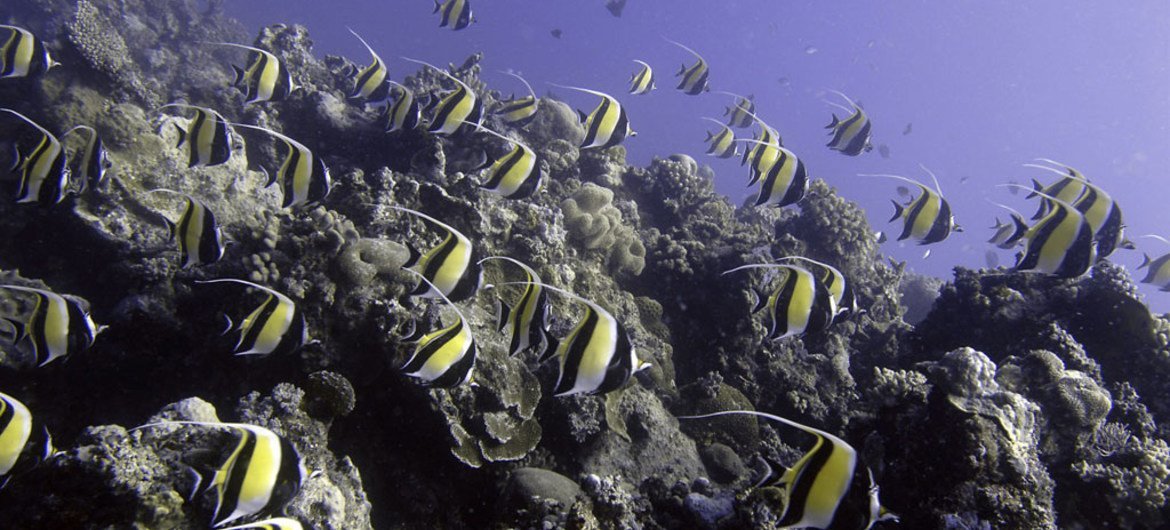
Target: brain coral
[(596, 224)]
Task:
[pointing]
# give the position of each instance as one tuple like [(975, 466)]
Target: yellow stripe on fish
[(448, 267), (23, 54), (59, 325), (304, 177), (44, 173), (642, 81)]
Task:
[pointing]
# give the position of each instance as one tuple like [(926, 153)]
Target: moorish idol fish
[(44, 173), (447, 267), (59, 325), (266, 78), (261, 474), (642, 81), (208, 135), (1158, 273), (1069, 188), (1008, 235), (517, 174), (446, 357), (597, 357), (23, 54), (926, 218), (276, 326), (801, 304), (459, 106), (1061, 243), (527, 322), (694, 79), (304, 177), (841, 290), (455, 13), (404, 113), (742, 114), (276, 523), (24, 443), (1099, 208), (91, 170), (722, 144), (761, 155), (519, 111), (199, 236), (607, 125), (369, 83), (851, 135), (830, 487), (784, 180)]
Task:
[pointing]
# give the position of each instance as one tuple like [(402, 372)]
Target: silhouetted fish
[(615, 7)]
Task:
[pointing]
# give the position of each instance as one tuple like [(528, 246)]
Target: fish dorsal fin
[(932, 177), (267, 290), (292, 143), (443, 225), (33, 123), (683, 46), (369, 48), (531, 92), (441, 71)]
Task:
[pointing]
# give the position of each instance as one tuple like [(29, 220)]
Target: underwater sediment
[(1016, 401)]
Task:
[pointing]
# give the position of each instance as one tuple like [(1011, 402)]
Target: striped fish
[(44, 173), (519, 111), (266, 77), (23, 54), (830, 487), (783, 180), (851, 136), (24, 442), (207, 134), (516, 175), (1068, 188), (527, 322), (94, 160), (370, 83), (304, 177), (800, 304), (200, 239), (446, 357), (761, 155), (721, 144), (694, 78), (276, 523), (1158, 270), (1009, 235), (261, 474), (457, 107), (276, 326), (1061, 243), (447, 268), (456, 14), (404, 114), (1099, 208), (59, 325), (926, 218), (742, 114), (607, 125), (840, 289), (642, 81)]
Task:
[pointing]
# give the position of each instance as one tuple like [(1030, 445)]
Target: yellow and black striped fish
[(23, 54), (1099, 208), (1009, 235), (266, 78), (370, 83), (851, 136), (59, 325), (200, 239), (516, 175), (1068, 188), (24, 442), (519, 111), (721, 144), (927, 218), (840, 288), (455, 13), (742, 113), (304, 177), (207, 134), (276, 326), (404, 113), (527, 322), (607, 125), (455, 109), (642, 81), (800, 304), (830, 487), (94, 160), (276, 523), (261, 474), (764, 149), (1060, 244), (446, 357), (448, 267), (1158, 272), (694, 78), (783, 179), (44, 173)]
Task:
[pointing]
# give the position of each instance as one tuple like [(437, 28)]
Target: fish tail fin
[(18, 329), (761, 300), (1145, 261), (437, 6), (1127, 244), (171, 229), (182, 135), (228, 324), (503, 310), (550, 348), (709, 136), (269, 179), (898, 210), (239, 75), (413, 258), (1037, 188), (413, 331), (681, 69), (17, 159), (833, 123), (581, 115)]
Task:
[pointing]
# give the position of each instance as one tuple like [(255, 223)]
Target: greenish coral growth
[(596, 224)]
